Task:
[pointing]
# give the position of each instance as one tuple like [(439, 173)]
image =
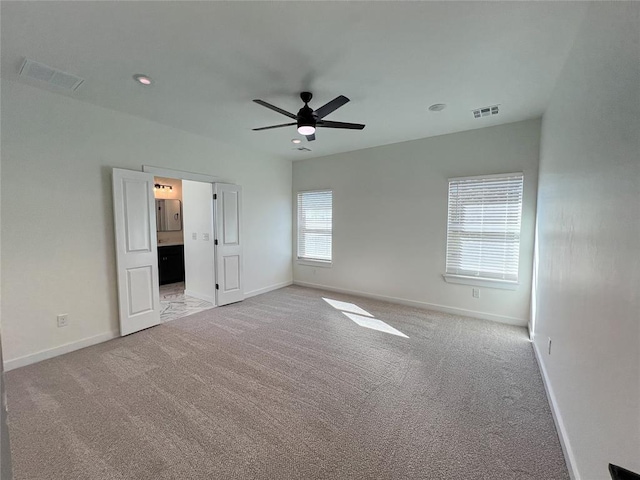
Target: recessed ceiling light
[(296, 140), (437, 107), (143, 79)]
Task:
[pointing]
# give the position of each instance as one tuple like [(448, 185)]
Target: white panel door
[(136, 250), (228, 208)]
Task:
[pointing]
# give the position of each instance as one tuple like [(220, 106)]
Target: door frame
[(180, 175), (196, 177)]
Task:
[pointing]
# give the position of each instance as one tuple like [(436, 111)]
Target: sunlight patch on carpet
[(374, 324), (347, 307)]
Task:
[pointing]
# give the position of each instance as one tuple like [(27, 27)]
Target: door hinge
[(217, 287), (215, 196), (215, 242)]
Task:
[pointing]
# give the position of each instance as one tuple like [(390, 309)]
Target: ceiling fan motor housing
[(306, 116)]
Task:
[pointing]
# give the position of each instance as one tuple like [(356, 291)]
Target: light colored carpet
[(285, 386)]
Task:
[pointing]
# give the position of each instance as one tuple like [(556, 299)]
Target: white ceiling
[(210, 59)]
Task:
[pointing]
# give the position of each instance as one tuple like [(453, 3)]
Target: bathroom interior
[(172, 268)]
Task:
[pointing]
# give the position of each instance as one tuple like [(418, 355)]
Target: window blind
[(483, 228), (315, 213)]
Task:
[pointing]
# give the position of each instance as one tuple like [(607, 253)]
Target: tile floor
[(175, 304)]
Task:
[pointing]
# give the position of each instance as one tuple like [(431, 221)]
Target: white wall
[(390, 217), (57, 219), (588, 290), (5, 448), (198, 254)]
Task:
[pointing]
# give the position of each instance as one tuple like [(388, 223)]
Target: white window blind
[(315, 213), (483, 229)]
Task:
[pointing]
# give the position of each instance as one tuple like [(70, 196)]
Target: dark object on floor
[(619, 473)]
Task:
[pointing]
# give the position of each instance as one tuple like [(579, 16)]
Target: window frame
[(489, 282), (307, 260)]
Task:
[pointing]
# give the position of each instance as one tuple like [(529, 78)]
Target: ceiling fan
[(308, 120)]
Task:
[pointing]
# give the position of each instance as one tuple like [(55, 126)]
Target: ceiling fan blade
[(333, 105), (311, 137), (275, 109), (274, 126), (329, 124)]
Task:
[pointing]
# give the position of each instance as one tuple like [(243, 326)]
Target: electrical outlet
[(194, 236), (476, 293), (63, 320), (549, 345), (205, 237)]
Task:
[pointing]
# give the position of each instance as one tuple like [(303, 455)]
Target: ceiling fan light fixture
[(306, 129)]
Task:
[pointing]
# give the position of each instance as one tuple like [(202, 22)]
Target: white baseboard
[(520, 322), (61, 350), (270, 288), (200, 296), (14, 363), (557, 416)]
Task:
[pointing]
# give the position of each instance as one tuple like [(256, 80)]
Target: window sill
[(313, 263), (480, 282)]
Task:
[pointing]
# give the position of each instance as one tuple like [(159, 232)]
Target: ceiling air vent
[(52, 76), (303, 149), (485, 111)]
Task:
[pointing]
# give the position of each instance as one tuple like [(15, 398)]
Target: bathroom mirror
[(168, 215)]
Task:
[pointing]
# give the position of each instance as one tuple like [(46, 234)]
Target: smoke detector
[(50, 75), (485, 111)]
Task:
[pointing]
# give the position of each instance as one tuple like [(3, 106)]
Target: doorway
[(180, 297), (200, 236)]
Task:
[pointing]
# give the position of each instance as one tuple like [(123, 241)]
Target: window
[(483, 229), (315, 212)]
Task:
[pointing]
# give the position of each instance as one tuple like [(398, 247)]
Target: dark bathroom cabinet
[(171, 264)]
